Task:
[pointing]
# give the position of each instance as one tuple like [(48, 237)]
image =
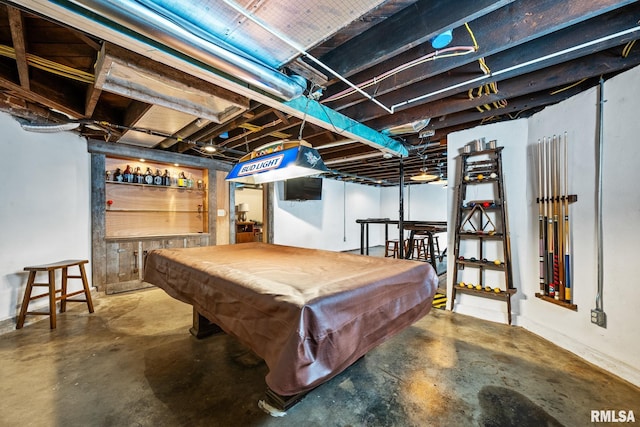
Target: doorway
[(250, 213)]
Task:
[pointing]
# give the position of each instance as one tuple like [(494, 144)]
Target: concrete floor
[(134, 363)]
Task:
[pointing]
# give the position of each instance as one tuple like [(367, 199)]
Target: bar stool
[(436, 246), (52, 291), (419, 248), (391, 248)]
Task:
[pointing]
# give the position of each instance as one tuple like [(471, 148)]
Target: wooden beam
[(375, 16), (558, 75), (87, 40), (44, 96), (506, 28), (135, 111), (93, 95), (16, 23), (412, 26), (124, 150), (112, 55)]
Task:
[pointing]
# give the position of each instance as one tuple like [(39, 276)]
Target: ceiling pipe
[(186, 39), (303, 52), (153, 40), (185, 132)]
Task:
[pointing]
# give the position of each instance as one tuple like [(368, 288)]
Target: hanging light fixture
[(277, 162), (423, 176), (440, 180), (210, 148)]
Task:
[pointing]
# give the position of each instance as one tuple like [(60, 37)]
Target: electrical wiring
[(488, 88), (438, 54), (627, 48), (50, 66), (568, 87)]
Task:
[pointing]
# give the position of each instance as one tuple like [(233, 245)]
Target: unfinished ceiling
[(371, 72)]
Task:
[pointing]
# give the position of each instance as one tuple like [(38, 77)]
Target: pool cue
[(554, 213), (541, 224), (545, 217), (550, 242), (557, 223), (567, 230)]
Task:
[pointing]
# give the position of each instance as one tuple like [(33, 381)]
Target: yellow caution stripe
[(439, 301)]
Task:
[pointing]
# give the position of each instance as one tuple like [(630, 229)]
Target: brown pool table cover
[(308, 313)]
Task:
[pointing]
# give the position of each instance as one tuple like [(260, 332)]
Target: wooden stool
[(436, 246), (391, 248), (51, 270), (419, 248)]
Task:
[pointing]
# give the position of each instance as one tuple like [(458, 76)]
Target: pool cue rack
[(554, 223), (484, 222)]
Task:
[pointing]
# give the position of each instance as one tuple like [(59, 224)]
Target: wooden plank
[(45, 95), (98, 200), (167, 73), (508, 27), (133, 224), (548, 78), (153, 198), (398, 32), (122, 263), (224, 201), (122, 150), (193, 242), (355, 28), (91, 100), (593, 29), (17, 34)]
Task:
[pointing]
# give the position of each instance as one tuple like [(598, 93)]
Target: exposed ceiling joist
[(571, 37), (17, 34)]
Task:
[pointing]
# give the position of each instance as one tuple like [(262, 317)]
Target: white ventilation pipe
[(174, 32)]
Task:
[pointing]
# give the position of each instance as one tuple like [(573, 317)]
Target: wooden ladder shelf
[(484, 222)]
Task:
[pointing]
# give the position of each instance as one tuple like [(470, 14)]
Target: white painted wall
[(329, 223), (615, 348), (511, 135), (45, 213)]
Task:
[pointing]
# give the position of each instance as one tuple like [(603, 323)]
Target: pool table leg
[(203, 327)]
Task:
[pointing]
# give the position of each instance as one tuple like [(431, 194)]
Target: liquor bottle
[(157, 178), (166, 179), (138, 176), (148, 176), (128, 174), (182, 180), (117, 176)]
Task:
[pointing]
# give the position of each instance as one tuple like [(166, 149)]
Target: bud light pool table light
[(277, 162)]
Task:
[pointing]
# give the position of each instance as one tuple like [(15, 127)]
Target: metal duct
[(173, 32), (48, 128)]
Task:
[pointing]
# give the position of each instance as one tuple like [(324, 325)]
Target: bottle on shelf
[(148, 176), (182, 180), (128, 174), (166, 178), (138, 179), (117, 176), (157, 178)]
